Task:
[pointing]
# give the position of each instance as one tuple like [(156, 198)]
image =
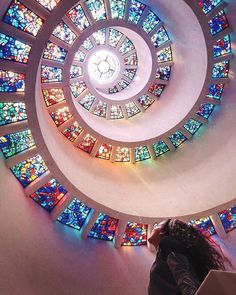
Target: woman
[(184, 258)]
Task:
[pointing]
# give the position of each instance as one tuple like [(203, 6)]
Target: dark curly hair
[(202, 252)]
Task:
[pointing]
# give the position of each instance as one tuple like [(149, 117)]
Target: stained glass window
[(141, 153), (50, 74), (87, 44), (130, 73), (49, 4), (72, 132), (222, 46), (75, 71), (104, 152), (80, 56), (114, 37), (215, 91), (23, 18), (135, 234), (126, 46), (87, 143), (29, 170), (116, 112), (117, 8), (17, 143), (14, 50), (97, 9), (208, 5), (177, 138), (61, 116), (221, 69), (75, 214), (49, 195), (100, 36), (101, 109), (104, 228), (78, 17), (150, 22), (53, 96), (122, 154), (11, 82), (156, 89), (164, 55), (228, 218), (205, 110), (218, 23), (160, 148), (77, 88), (192, 126), (146, 101), (132, 109), (160, 37), (12, 112), (163, 73), (54, 52), (123, 84), (64, 33), (204, 225), (135, 11), (87, 101), (113, 90)]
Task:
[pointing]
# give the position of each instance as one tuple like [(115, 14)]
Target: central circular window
[(103, 66)]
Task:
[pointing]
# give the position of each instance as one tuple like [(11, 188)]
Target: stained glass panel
[(17, 143), (228, 218), (222, 46), (146, 101), (87, 143), (131, 60), (204, 225), (61, 116), (49, 4), (208, 5), (192, 126), (135, 234), (87, 101), (160, 37), (78, 17), (177, 138), (73, 131), (14, 50), (50, 74), (53, 96), (22, 18), (215, 91), (160, 148), (122, 154), (29, 170), (11, 82), (116, 112), (114, 37), (104, 228), (101, 109), (205, 110), (100, 36), (104, 152), (126, 46), (141, 153), (49, 195), (75, 71), (156, 89), (80, 56), (54, 52), (118, 8), (97, 9), (130, 73), (135, 11), (12, 112), (164, 55), (113, 90), (64, 33), (221, 69), (132, 109), (75, 214), (150, 22), (77, 88), (123, 84), (163, 73), (218, 23), (87, 44)]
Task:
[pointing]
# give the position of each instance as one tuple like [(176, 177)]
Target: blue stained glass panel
[(11, 82), (163, 73), (142, 153), (87, 101), (150, 22), (221, 69), (177, 138), (160, 37), (97, 9), (228, 218), (215, 91), (49, 195), (146, 101), (14, 50), (64, 33), (222, 46), (75, 214), (218, 23), (78, 17), (49, 4), (54, 52), (135, 11), (118, 8), (164, 55), (208, 5), (192, 126), (206, 110), (104, 228), (12, 112), (160, 148), (204, 225), (50, 74)]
